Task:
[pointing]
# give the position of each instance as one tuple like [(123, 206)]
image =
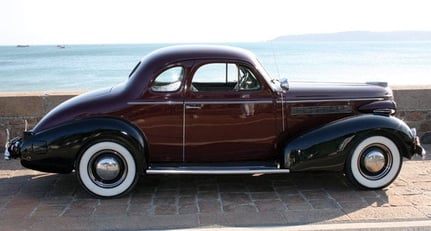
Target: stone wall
[(414, 107), (15, 108)]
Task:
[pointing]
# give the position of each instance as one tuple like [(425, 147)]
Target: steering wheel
[(247, 82)]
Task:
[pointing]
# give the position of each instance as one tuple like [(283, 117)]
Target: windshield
[(265, 74), (134, 69)]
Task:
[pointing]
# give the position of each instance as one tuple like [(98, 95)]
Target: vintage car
[(198, 109)]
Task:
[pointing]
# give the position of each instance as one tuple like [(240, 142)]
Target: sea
[(88, 67)]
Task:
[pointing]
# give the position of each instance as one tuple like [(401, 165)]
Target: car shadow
[(185, 201), (226, 200)]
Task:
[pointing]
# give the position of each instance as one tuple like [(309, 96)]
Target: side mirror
[(284, 84)]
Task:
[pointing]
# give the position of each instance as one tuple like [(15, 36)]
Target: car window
[(169, 80), (224, 77)]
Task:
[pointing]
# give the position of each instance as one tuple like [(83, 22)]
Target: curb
[(402, 225)]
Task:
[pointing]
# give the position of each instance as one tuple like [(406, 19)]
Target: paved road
[(31, 200)]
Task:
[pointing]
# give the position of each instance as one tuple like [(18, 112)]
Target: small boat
[(61, 46), (22, 46)]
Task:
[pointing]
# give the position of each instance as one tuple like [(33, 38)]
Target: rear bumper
[(13, 148), (32, 149)]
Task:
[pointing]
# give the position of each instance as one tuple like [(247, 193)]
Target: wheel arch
[(116, 130)]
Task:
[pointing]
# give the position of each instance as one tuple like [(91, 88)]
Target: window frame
[(181, 81), (235, 89)]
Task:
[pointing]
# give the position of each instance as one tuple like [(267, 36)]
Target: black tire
[(107, 169), (374, 162)]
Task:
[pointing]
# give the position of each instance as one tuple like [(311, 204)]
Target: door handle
[(194, 106)]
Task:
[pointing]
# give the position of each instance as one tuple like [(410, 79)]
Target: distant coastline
[(89, 67), (360, 36)]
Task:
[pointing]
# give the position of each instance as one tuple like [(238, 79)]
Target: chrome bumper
[(418, 149), (12, 147)]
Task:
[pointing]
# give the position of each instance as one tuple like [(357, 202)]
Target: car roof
[(186, 52), (166, 57)]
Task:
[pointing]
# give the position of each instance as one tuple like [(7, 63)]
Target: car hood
[(77, 107), (299, 91)]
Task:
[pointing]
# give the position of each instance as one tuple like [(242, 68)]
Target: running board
[(214, 170)]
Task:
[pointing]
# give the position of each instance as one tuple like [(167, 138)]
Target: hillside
[(360, 36)]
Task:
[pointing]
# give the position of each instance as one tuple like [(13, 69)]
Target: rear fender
[(326, 148), (56, 149)]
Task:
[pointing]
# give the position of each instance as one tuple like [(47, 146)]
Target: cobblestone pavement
[(31, 200)]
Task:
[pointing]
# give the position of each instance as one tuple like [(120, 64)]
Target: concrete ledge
[(16, 107), (33, 104), (412, 99), (414, 107)]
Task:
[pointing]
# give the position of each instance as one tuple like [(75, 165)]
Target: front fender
[(326, 148), (56, 149)]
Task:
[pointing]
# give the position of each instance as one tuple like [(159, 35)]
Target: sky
[(38, 22)]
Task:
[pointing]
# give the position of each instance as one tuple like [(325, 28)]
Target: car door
[(160, 115), (229, 115)]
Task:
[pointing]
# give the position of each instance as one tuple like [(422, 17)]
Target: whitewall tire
[(374, 163), (107, 169)]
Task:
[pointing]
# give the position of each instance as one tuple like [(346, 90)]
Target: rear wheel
[(374, 163), (107, 169)]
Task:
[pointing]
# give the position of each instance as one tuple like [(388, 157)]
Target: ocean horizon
[(88, 67)]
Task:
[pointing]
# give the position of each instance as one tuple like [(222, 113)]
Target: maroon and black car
[(214, 110)]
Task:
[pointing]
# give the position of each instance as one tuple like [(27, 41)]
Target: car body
[(200, 109)]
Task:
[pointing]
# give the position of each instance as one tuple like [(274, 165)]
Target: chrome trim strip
[(251, 101), (202, 102), (216, 171), (321, 110), (329, 100), (230, 102), (155, 103), (385, 111)]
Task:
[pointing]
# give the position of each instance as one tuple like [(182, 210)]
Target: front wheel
[(107, 169), (374, 163)]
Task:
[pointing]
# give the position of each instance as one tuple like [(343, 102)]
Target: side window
[(169, 80), (247, 81), (224, 77)]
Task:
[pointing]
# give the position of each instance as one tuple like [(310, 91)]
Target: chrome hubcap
[(107, 168), (374, 161)]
